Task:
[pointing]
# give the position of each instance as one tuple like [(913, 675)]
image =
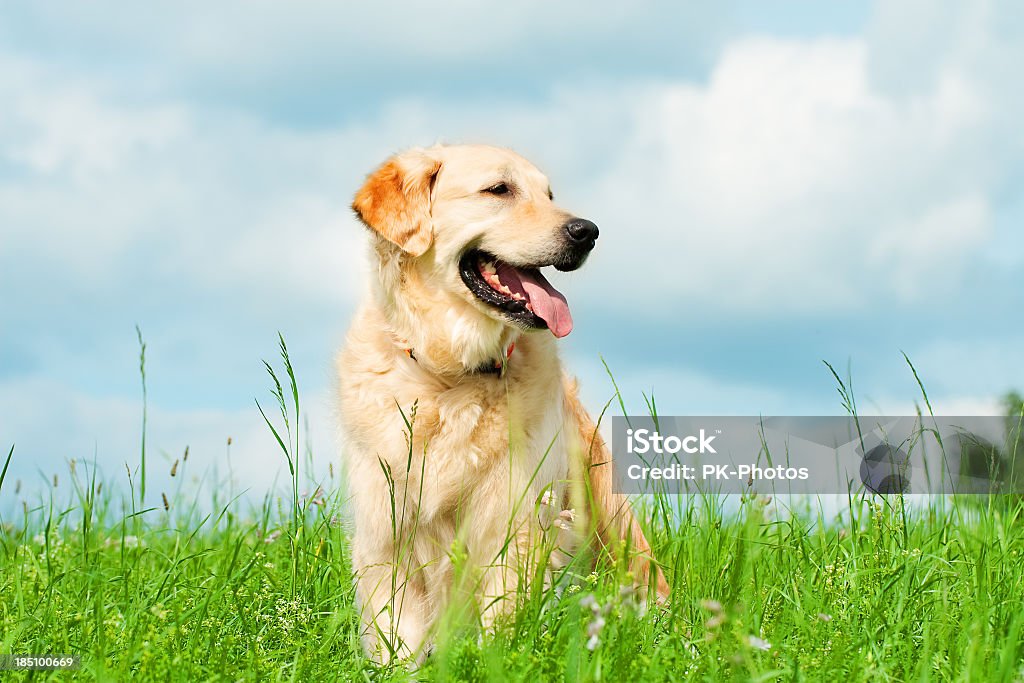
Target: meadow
[(149, 587)]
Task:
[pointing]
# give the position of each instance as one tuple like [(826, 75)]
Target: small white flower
[(711, 605), (593, 642), (546, 510), (758, 643), (715, 621), (129, 542)]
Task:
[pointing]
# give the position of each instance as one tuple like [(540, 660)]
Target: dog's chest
[(498, 430)]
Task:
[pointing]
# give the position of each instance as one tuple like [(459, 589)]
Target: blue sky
[(776, 184)]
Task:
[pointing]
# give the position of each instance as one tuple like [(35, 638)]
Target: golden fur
[(484, 450)]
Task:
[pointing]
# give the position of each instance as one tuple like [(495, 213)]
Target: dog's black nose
[(581, 231)]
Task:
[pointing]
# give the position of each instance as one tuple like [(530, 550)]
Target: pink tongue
[(548, 303)]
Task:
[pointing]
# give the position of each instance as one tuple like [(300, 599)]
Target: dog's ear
[(395, 200)]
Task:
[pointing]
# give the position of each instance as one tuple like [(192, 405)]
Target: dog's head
[(471, 226)]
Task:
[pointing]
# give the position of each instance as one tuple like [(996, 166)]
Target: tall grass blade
[(7, 463), (142, 372)]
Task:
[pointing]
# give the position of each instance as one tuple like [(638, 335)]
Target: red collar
[(495, 367)]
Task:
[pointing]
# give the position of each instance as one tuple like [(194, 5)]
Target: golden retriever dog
[(464, 438)]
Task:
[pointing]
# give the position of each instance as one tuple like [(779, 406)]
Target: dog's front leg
[(502, 575), (390, 585), (392, 599)]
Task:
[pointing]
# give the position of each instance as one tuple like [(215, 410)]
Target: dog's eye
[(499, 189)]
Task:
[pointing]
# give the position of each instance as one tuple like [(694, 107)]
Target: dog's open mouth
[(522, 294)]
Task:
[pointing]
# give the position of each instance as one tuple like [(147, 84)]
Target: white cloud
[(930, 247), (67, 127), (788, 180), (203, 197), (788, 183)]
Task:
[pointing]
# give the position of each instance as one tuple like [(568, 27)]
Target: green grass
[(887, 591), (888, 595)]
